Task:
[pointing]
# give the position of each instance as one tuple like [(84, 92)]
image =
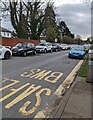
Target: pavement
[(76, 103)]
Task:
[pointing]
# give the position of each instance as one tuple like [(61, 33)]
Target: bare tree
[(27, 18)]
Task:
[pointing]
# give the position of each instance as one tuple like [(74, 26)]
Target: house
[(5, 33)]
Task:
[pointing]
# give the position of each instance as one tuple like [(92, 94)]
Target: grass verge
[(84, 69)]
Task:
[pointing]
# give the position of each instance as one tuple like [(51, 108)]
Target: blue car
[(77, 52)]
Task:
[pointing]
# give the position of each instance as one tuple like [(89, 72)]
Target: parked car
[(56, 47), (5, 53), (24, 49), (8, 47), (72, 45), (77, 52), (64, 47), (87, 47), (69, 46), (44, 47)]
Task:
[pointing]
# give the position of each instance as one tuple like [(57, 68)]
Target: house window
[(4, 33), (7, 34)]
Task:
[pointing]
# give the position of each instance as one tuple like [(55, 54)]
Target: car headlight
[(70, 53), (82, 54)]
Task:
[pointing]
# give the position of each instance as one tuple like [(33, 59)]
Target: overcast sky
[(75, 13), (77, 17)]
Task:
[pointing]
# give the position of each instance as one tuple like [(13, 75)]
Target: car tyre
[(7, 55), (56, 50), (34, 52), (45, 51), (69, 56), (51, 50), (24, 54)]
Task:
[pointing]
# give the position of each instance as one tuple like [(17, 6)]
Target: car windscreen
[(20, 45), (54, 44), (78, 48), (42, 44)]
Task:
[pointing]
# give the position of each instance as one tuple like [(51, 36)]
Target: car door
[(32, 47), (29, 48)]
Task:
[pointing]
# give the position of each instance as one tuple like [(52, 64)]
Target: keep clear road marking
[(65, 85)]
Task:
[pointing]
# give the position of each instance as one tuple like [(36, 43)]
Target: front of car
[(64, 47), (18, 49), (5, 52), (41, 47), (59, 47), (77, 52), (54, 47), (1, 52)]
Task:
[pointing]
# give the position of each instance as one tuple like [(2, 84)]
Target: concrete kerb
[(60, 92), (69, 80), (62, 89), (61, 107)]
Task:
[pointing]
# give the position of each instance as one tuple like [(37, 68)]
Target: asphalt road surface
[(29, 83)]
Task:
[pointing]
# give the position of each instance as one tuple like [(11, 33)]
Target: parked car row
[(25, 49)]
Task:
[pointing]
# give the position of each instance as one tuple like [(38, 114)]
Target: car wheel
[(56, 50), (34, 52), (45, 51), (51, 50), (7, 55), (24, 54), (69, 56)]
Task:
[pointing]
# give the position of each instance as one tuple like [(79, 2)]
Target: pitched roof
[(4, 30)]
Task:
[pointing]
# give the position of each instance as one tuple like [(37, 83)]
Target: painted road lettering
[(41, 74), (23, 95), (23, 110), (28, 89), (55, 76), (48, 76), (7, 86), (14, 91), (32, 72)]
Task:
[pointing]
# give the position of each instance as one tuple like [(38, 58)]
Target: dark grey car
[(24, 49)]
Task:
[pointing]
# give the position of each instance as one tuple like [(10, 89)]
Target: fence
[(13, 41)]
